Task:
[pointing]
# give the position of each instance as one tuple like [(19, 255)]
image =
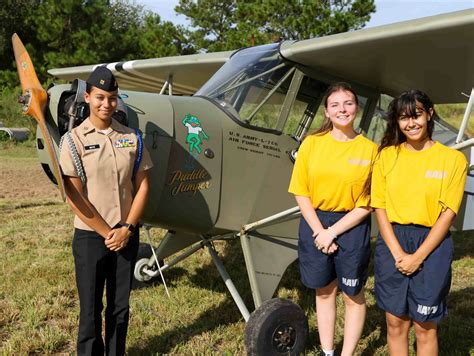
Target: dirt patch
[(23, 178)]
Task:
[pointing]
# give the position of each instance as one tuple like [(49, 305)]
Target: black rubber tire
[(278, 327), (144, 251)]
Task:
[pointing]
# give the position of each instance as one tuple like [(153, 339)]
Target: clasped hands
[(117, 238), (324, 241), (408, 264)]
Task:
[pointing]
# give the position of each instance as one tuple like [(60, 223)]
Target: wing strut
[(465, 119)]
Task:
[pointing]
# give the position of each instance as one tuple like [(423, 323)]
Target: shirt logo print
[(436, 174), (359, 162)]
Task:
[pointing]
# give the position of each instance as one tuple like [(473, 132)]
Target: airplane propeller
[(34, 100)]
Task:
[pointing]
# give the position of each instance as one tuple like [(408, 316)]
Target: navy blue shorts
[(348, 264), (422, 295)]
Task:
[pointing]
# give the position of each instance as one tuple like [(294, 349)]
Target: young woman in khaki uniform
[(108, 206)]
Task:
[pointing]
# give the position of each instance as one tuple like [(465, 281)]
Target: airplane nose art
[(190, 196)]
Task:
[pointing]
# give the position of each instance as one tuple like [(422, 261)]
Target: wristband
[(130, 227), (333, 234)]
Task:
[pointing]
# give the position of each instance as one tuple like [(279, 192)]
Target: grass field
[(39, 304)]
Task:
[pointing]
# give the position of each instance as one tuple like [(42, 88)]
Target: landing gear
[(145, 262), (277, 327)]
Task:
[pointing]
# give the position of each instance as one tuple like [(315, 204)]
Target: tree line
[(64, 33)]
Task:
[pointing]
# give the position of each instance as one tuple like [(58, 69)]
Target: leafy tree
[(13, 18), (161, 39), (63, 33), (75, 32), (229, 24)]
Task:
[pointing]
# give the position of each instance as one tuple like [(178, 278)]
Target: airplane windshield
[(252, 85)]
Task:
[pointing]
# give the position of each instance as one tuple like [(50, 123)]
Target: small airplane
[(14, 133), (223, 157)]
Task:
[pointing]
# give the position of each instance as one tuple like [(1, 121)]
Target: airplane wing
[(188, 73), (434, 54)]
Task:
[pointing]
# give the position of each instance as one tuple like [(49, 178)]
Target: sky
[(388, 11)]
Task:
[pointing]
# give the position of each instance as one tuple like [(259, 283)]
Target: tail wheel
[(278, 327), (140, 278)]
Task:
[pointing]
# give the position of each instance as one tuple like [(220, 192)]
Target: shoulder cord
[(75, 156), (138, 157), (77, 159)]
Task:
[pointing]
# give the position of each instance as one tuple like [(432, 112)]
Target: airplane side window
[(299, 108), (303, 111), (378, 121), (263, 102)]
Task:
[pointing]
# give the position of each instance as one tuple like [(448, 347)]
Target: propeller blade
[(26, 71), (34, 101)]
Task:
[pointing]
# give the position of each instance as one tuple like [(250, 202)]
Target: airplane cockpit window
[(252, 85)]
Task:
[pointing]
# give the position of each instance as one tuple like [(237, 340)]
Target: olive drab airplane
[(223, 130)]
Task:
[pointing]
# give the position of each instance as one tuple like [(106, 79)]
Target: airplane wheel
[(140, 278), (278, 327)]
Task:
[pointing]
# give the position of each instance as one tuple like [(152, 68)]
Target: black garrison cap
[(102, 78)]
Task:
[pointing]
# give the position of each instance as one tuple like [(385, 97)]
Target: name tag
[(92, 147), (124, 142)]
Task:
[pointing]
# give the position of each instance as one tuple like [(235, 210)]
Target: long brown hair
[(326, 125), (402, 105)]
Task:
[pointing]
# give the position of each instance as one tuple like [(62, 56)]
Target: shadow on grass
[(209, 320), (463, 244), (171, 277), (26, 205), (208, 277), (454, 332)]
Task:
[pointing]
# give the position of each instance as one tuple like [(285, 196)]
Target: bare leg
[(426, 338), (397, 334), (326, 314), (353, 321)]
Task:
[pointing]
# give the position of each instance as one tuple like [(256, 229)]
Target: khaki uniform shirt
[(108, 161)]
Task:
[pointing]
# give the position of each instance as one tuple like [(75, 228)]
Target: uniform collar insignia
[(86, 126)]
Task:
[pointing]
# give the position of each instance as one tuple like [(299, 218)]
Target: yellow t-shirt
[(332, 173), (415, 187)]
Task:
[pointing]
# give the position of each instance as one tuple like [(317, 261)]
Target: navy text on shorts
[(422, 295), (348, 264)]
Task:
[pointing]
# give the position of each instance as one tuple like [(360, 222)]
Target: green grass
[(39, 303), (10, 111)]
